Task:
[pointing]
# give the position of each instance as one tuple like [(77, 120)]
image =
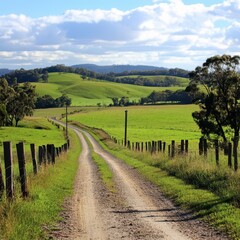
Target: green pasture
[(182, 81), (31, 130), (91, 92), (145, 123)]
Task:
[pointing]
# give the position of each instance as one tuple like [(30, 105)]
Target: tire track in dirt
[(82, 220)]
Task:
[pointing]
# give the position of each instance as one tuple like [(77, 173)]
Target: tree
[(21, 103), (216, 89), (124, 101), (115, 101), (63, 101)]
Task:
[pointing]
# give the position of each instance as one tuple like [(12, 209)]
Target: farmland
[(91, 92), (165, 122)]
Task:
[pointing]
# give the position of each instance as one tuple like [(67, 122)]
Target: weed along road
[(135, 210)]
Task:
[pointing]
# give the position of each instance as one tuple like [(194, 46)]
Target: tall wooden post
[(22, 169), (125, 129), (173, 149), (186, 146), (182, 146), (34, 161), (8, 160), (40, 155), (164, 147), (66, 121)]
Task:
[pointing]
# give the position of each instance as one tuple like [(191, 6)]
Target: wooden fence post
[(160, 146), (8, 160), (22, 169), (1, 181), (153, 147), (40, 155), (49, 149), (186, 146), (169, 150), (217, 152), (230, 155), (44, 154), (129, 145), (65, 147), (164, 147), (173, 149), (53, 154), (182, 146), (33, 153), (57, 152)]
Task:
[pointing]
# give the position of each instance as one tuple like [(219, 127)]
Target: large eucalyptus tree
[(215, 87)]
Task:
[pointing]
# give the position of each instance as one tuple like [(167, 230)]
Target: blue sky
[(55, 7), (168, 33)]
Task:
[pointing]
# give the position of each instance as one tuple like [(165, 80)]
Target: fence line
[(46, 155), (182, 148)]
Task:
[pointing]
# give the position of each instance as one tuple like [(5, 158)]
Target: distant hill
[(89, 92), (117, 68), (4, 71)]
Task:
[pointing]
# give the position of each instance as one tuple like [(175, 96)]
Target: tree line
[(155, 97), (47, 101), (167, 96)]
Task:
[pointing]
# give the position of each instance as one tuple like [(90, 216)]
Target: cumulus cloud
[(157, 34)]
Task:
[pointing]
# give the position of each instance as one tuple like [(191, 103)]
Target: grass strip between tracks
[(204, 204), (105, 171)]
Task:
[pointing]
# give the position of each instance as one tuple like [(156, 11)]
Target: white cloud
[(168, 34)]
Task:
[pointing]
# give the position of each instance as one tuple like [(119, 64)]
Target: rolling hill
[(85, 92)]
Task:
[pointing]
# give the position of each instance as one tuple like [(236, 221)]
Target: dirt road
[(137, 211)]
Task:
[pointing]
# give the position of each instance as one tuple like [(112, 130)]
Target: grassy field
[(145, 123), (32, 130), (90, 92)]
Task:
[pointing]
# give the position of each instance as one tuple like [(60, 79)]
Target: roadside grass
[(211, 193), (34, 217)]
